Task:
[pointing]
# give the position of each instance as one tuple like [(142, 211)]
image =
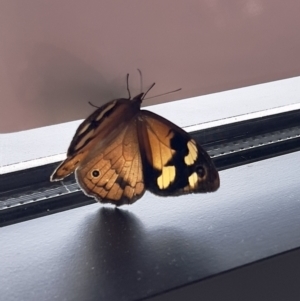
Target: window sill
[(96, 252), (158, 244)]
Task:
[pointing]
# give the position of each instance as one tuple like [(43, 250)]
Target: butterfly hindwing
[(114, 174), (173, 162)]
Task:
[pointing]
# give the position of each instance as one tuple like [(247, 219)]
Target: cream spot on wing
[(84, 139), (91, 132), (109, 107), (84, 129), (188, 160), (167, 177), (191, 157), (193, 180)]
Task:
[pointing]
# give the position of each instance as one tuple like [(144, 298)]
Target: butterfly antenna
[(91, 104), (141, 78), (127, 82), (148, 91), (161, 94)]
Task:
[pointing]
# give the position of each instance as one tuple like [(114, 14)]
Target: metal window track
[(28, 193)]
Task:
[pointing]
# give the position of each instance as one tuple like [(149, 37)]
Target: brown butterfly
[(119, 151)]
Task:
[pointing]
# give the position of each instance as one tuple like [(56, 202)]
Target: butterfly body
[(119, 151)]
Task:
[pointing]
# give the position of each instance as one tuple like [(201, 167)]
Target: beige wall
[(57, 55)]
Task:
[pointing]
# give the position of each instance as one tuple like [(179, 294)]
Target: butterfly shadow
[(121, 258)]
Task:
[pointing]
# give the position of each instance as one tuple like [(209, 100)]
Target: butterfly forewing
[(95, 131), (173, 162)]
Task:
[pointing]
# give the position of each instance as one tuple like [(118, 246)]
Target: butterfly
[(120, 151)]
